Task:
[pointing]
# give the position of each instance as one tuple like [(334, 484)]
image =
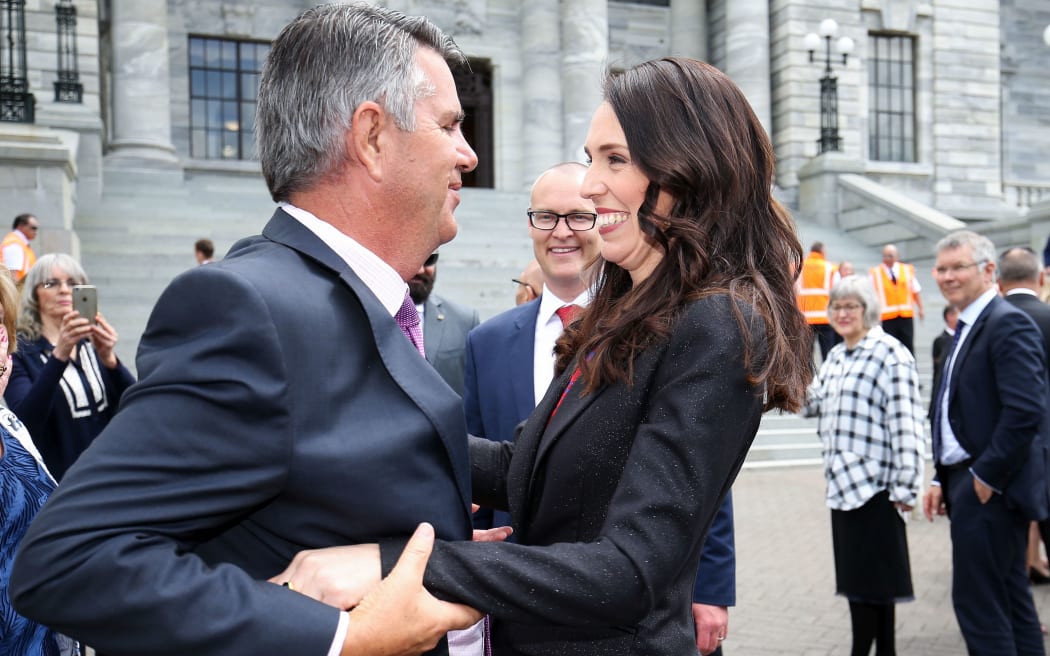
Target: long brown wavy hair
[(693, 134)]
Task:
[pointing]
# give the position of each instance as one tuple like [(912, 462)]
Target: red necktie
[(567, 314)]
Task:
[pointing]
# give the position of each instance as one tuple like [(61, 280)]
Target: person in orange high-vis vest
[(18, 256), (812, 290), (898, 290)]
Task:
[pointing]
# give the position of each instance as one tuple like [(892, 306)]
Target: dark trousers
[(903, 329), (990, 593), (825, 337)]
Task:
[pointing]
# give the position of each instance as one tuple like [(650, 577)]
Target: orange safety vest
[(28, 256), (814, 287), (895, 298)]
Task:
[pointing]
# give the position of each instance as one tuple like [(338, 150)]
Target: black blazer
[(611, 499), (1038, 310), (279, 409), (997, 407)]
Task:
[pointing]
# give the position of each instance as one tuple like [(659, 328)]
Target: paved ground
[(786, 601)]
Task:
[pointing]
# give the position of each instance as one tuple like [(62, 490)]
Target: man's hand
[(399, 617), (984, 493), (712, 626), (933, 502), (337, 576)]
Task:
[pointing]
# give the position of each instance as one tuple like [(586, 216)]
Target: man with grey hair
[(284, 402), (991, 440)]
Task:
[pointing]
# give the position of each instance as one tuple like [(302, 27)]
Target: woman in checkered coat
[(871, 424)]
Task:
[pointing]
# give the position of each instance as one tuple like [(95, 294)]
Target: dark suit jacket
[(941, 344), (613, 499), (499, 395), (1038, 310), (445, 328), (997, 407), (280, 408)]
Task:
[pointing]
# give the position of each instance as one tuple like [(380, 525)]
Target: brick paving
[(786, 602)]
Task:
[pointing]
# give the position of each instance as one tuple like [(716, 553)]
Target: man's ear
[(364, 139)]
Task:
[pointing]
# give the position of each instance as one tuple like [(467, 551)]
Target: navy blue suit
[(498, 395), (997, 408), (279, 409)]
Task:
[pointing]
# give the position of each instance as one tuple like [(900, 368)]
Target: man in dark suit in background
[(510, 364), (283, 401), (445, 324), (1021, 281), (941, 344), (990, 448)]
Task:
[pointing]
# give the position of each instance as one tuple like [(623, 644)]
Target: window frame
[(892, 97), (209, 71)]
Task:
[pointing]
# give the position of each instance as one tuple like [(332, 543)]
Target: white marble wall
[(1026, 91), (541, 124), (585, 48), (141, 116), (966, 107), (747, 53)]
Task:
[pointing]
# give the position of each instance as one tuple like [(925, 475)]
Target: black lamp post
[(829, 95)]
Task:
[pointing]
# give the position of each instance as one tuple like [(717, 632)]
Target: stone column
[(747, 54), (689, 28), (541, 87), (585, 47), (141, 92)]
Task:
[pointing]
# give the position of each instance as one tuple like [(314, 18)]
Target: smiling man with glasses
[(991, 440), (18, 256)]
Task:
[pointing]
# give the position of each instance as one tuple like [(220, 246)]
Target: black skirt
[(871, 553)]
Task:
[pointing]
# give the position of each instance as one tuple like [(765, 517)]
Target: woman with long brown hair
[(614, 480)]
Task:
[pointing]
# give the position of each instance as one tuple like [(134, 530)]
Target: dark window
[(16, 102), (224, 82), (891, 96), (474, 86)]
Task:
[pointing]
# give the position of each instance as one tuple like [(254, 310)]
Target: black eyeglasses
[(432, 260), (577, 221)]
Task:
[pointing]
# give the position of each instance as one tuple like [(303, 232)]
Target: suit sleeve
[(716, 577), (1018, 368), (702, 415), (199, 443)]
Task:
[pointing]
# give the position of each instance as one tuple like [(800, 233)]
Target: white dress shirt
[(548, 330), (951, 451)]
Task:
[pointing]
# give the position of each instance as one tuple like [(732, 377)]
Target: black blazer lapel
[(972, 338), (422, 384)]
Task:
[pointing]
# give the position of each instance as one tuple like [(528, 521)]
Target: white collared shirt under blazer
[(871, 421)]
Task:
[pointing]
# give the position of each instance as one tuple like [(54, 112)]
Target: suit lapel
[(521, 343), (967, 345), (422, 384)]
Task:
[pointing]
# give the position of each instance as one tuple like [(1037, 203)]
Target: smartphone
[(85, 301)]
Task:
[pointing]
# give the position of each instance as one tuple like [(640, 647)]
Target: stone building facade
[(944, 103)]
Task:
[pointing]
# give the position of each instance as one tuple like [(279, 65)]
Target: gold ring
[(288, 584)]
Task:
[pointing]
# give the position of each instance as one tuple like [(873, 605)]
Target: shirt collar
[(377, 275), (970, 313), (549, 303), (1021, 290)]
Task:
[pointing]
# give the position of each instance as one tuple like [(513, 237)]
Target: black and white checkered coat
[(871, 421)]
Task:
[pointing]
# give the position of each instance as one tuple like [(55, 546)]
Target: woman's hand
[(73, 329), (5, 359), (104, 337)]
